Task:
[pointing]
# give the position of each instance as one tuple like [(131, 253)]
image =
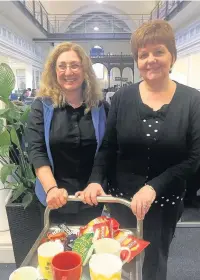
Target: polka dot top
[(160, 148), (151, 123)]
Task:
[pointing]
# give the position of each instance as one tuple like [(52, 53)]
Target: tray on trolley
[(131, 271)]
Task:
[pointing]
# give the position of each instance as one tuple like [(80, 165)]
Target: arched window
[(99, 70)]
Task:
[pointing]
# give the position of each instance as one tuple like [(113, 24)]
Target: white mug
[(105, 267), (110, 246), (25, 273)]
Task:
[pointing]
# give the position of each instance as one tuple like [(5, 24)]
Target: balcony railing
[(164, 8), (78, 23), (95, 23)]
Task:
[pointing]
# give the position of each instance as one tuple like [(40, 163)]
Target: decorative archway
[(117, 13), (101, 72), (115, 77), (127, 75)]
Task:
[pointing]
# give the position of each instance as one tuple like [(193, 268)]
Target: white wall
[(180, 70), (186, 70), (19, 51)]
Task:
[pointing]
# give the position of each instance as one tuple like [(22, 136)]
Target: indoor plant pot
[(25, 227), (16, 172)]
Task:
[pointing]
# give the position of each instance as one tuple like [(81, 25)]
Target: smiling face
[(69, 71), (154, 62)]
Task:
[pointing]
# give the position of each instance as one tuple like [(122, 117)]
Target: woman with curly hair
[(65, 129)]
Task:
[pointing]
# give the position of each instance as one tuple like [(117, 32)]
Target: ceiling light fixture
[(96, 28), (99, 1)]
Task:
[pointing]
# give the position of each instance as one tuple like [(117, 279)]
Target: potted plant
[(16, 172)]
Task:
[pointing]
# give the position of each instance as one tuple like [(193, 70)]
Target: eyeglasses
[(74, 67)]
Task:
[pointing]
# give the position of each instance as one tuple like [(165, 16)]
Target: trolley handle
[(100, 199)]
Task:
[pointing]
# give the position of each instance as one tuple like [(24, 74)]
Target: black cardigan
[(172, 157)]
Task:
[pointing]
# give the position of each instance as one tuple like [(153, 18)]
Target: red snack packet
[(121, 234), (103, 230), (97, 220), (111, 223), (61, 236), (135, 244)]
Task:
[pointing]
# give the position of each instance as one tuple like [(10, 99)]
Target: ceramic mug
[(67, 266), (110, 246), (46, 252), (24, 273), (105, 267)]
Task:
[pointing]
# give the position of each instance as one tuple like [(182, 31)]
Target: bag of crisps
[(128, 240), (105, 225)]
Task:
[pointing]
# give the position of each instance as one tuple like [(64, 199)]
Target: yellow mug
[(46, 252), (105, 267)]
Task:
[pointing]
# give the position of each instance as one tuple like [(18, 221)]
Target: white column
[(29, 76)]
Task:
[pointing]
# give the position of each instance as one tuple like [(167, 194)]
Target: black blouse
[(159, 148), (72, 143)]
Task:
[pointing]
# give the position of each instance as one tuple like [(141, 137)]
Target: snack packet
[(102, 231), (66, 229), (135, 244), (61, 236), (84, 246), (62, 233), (106, 227), (69, 242)]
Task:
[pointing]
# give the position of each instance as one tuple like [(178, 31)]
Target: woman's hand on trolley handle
[(56, 197), (142, 200), (90, 193)]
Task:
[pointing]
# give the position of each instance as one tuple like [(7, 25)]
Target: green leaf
[(29, 172), (2, 124), (27, 199), (7, 80), (4, 151), (7, 170), (3, 111), (5, 138), (13, 114), (11, 185), (14, 137), (25, 114), (18, 191)]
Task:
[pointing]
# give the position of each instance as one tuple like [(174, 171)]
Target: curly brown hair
[(49, 86)]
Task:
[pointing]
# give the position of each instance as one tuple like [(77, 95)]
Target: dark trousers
[(193, 185), (159, 227)]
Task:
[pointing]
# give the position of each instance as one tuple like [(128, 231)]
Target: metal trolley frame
[(131, 271)]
